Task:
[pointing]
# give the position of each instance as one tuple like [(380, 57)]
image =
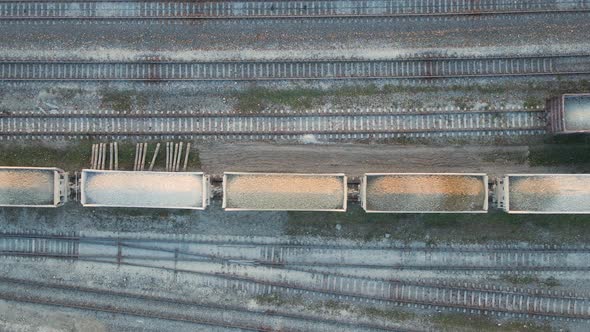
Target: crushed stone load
[(412, 192), (577, 112), (268, 191), (182, 190), (555, 193), (27, 186)]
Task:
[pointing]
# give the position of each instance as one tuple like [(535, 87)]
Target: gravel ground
[(259, 97), (185, 286), (238, 39)]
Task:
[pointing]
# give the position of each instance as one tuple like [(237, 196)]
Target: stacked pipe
[(174, 156), (98, 156), (140, 155)]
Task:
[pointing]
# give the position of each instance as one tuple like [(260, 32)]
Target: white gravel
[(142, 189), (369, 53)]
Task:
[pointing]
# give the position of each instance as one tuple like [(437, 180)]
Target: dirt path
[(356, 159)]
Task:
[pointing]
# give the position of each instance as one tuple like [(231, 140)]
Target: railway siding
[(276, 125), (64, 70)]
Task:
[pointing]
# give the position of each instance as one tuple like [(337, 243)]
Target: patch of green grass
[(504, 156), (154, 214), (529, 280), (332, 305), (533, 102), (278, 300), (75, 156), (480, 323), (462, 102), (67, 93), (255, 99), (393, 315), (440, 228), (560, 154), (551, 282), (520, 280), (122, 100)]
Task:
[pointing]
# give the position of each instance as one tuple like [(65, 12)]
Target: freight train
[(376, 192)]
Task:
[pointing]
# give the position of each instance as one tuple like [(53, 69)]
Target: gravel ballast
[(425, 193), (557, 193), (142, 189), (259, 191), (22, 186)]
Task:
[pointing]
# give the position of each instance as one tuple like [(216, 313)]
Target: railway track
[(397, 294), (502, 300), (56, 246), (245, 242), (411, 68), (378, 258), (89, 9), (233, 317), (329, 125)]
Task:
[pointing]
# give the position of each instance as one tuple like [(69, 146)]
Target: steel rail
[(287, 266), (178, 256), (286, 263), (301, 266), (129, 312), (291, 134), (502, 296), (344, 295), (59, 246), (73, 114), (449, 286), (410, 68), (183, 302), (404, 123), (23, 10), (295, 244)]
